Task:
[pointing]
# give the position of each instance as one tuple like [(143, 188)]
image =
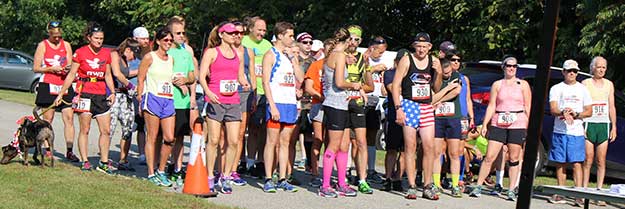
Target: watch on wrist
[(397, 107)]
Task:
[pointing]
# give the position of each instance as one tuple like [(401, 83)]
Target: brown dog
[(31, 134)]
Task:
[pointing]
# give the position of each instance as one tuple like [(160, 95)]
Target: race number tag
[(227, 87), (258, 70), (600, 110), (445, 109), (464, 126), (82, 105), (165, 89), (506, 119), (353, 94), (420, 91), (56, 89), (288, 80)]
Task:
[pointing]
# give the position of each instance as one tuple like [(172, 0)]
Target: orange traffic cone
[(196, 181)]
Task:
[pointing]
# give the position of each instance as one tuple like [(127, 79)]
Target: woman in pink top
[(220, 74), (508, 112)]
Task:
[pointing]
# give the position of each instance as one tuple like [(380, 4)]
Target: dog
[(31, 134)]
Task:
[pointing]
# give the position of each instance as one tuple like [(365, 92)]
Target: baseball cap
[(421, 37), (446, 46), (316, 45), (570, 64), (228, 28), (401, 53), (302, 36), (140, 32)]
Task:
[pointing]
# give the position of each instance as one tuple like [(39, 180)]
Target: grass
[(22, 97), (65, 186)]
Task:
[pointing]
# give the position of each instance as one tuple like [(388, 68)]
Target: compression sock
[(454, 180), (437, 179), (499, 175), (328, 163), (341, 167), (371, 158), (462, 165)]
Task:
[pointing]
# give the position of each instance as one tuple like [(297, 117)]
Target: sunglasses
[(454, 60), (354, 39), (571, 70), (181, 33), (306, 42), (167, 40), (379, 41), (96, 29), (54, 24), (512, 66), (235, 33)]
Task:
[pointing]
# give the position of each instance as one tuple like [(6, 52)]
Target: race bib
[(288, 80), (506, 119), (600, 110), (420, 91), (464, 126), (56, 89), (227, 87), (165, 89), (353, 94), (376, 78), (258, 70), (82, 105), (445, 109)]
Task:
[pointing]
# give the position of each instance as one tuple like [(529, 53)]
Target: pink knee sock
[(328, 164), (341, 164)]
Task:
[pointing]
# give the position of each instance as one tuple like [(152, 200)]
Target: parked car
[(16, 71), (483, 74)]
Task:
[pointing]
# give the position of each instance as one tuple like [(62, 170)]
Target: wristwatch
[(397, 107)]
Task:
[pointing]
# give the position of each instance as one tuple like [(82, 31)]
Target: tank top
[(125, 71), (599, 95), (355, 75), (53, 58), (510, 107), (451, 108), (224, 73), (335, 97), (159, 76), (417, 84), (282, 79), (463, 96)]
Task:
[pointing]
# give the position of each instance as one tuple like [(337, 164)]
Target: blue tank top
[(463, 97)]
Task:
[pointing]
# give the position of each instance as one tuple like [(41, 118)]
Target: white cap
[(273, 38), (316, 45), (140, 32), (570, 64)]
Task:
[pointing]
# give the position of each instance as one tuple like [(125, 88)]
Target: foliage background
[(482, 29)]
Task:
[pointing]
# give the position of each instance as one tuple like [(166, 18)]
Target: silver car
[(16, 71)]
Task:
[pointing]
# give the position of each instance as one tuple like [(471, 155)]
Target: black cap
[(422, 37), (401, 53)]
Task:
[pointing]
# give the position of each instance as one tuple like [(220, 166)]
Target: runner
[(335, 107), (254, 40), (601, 126), (220, 73), (507, 113), (52, 58), (303, 133), (141, 35), (92, 64), (123, 109), (417, 75), (157, 104), (281, 75), (394, 162)]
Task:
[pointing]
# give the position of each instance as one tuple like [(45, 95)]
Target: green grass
[(22, 97), (65, 186)]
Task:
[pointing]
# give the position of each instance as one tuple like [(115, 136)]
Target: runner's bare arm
[(339, 71), (612, 112), (241, 76), (368, 82), (492, 102), (527, 97), (308, 88), (38, 61), (438, 81), (68, 81), (268, 61), (469, 101), (196, 75), (108, 79), (251, 65), (143, 70), (207, 60), (68, 50), (116, 68), (400, 73)]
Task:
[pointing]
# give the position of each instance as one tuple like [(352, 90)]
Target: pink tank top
[(223, 78), (510, 109)]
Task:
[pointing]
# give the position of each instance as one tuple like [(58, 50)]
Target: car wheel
[(34, 86), (380, 141)]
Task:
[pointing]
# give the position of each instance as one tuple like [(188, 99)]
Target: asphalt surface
[(251, 196)]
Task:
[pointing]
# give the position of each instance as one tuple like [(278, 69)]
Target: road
[(251, 196)]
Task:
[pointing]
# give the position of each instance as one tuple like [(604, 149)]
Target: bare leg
[(104, 122), (83, 136), (491, 154), (602, 150), (167, 127)]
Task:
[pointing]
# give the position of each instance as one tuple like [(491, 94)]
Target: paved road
[(251, 196)]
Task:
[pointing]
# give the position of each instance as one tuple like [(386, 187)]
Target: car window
[(482, 77), (2, 58), (17, 59)]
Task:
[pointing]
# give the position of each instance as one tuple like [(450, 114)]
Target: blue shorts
[(158, 106), (412, 111), (448, 128), (567, 148), (288, 113)]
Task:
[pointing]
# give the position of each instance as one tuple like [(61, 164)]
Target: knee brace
[(169, 143), (510, 163)]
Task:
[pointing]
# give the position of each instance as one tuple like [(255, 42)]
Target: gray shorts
[(223, 112), (247, 100), (316, 112)]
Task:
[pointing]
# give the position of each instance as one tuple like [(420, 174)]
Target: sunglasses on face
[(571, 70), (166, 40), (512, 66), (354, 39), (455, 59), (54, 24), (235, 33), (181, 33), (306, 42)]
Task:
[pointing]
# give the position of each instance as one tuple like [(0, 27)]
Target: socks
[(462, 165), (437, 179), (454, 180), (371, 158), (341, 164), (499, 175), (328, 163)]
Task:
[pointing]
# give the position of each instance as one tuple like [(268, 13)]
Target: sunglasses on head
[(96, 29), (512, 66), (379, 41), (571, 70), (54, 24), (306, 42)]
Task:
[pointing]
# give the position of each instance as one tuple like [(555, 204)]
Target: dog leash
[(52, 106)]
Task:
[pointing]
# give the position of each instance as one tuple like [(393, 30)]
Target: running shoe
[(237, 180), (461, 186), (456, 192), (496, 190), (346, 191), (364, 188), (397, 186), (411, 193), (438, 190), (293, 180), (211, 184), (315, 182), (125, 166), (388, 185), (226, 186), (177, 178), (511, 195), (284, 185), (327, 192), (269, 186), (374, 177), (154, 179), (579, 202), (557, 199), (218, 179), (142, 160), (163, 178), (104, 168), (476, 192), (86, 166), (71, 157), (429, 192)]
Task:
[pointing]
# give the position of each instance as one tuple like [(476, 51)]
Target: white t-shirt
[(574, 96), (378, 80)]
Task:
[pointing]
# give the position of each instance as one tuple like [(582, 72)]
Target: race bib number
[(82, 105), (353, 94), (288, 80), (506, 119), (420, 91), (445, 109), (376, 78), (600, 110), (56, 89), (258, 70), (227, 87), (464, 126), (165, 89)]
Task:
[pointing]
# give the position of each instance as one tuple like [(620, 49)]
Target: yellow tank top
[(599, 95), (159, 77)]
